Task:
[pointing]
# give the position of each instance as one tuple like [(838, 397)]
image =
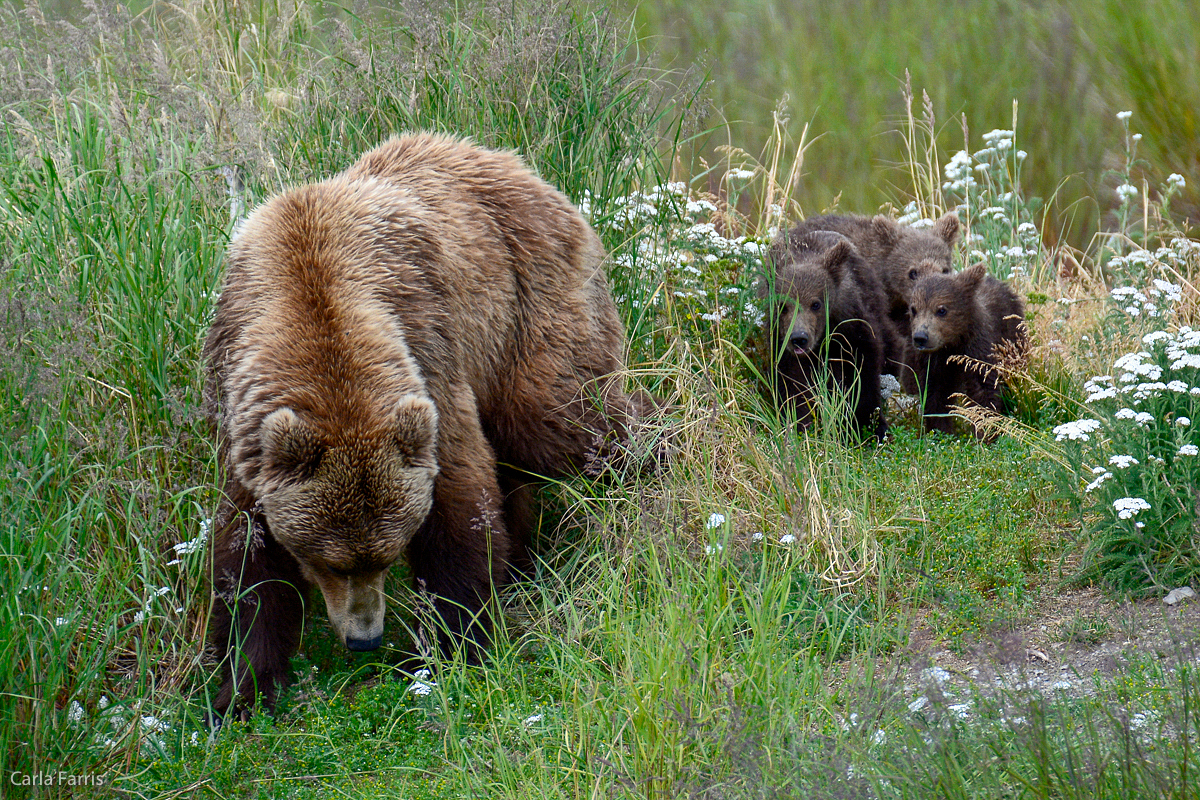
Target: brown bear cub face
[(943, 310), (914, 254), (346, 505), (803, 289)]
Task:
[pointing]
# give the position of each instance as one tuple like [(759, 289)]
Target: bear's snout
[(920, 340), (799, 341), (364, 645)]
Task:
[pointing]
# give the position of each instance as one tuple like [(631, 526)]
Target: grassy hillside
[(1055, 72), (738, 626)]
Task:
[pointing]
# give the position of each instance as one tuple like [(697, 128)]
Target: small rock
[(1037, 654), (1178, 595)]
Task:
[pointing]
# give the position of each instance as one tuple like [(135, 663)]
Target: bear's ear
[(414, 426), (947, 228), (885, 230), (835, 258), (290, 444), (970, 278)]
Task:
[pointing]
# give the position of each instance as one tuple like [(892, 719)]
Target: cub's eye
[(816, 306), (912, 311), (946, 271), (941, 312), (912, 274)]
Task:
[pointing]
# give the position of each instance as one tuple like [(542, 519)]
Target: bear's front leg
[(935, 390), (463, 549), (258, 612)]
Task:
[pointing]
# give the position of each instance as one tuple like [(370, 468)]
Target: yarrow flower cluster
[(1079, 430), (1134, 457), (1127, 507), (1002, 234), (687, 264)]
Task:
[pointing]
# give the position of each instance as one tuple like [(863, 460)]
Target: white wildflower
[(154, 724), (533, 719), (1124, 115), (713, 549), (1126, 192), (787, 538), (715, 521), (1189, 450), (1176, 180), (1128, 506), (888, 385), (1077, 430), (1096, 484), (421, 685), (1183, 422), (1143, 418), (1123, 462), (76, 713)]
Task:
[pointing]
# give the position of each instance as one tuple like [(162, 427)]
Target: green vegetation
[(737, 626), (1056, 72)]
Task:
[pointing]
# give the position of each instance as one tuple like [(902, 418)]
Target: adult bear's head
[(345, 503)]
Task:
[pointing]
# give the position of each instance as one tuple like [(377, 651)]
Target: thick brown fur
[(383, 341), (828, 327), (955, 316), (899, 255)]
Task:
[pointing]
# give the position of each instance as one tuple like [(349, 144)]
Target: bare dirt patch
[(1074, 640)]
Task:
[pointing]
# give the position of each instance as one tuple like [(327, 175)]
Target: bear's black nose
[(920, 339), (363, 645), (800, 340)]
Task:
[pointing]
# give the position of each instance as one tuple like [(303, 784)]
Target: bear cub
[(899, 256), (967, 314), (827, 327)]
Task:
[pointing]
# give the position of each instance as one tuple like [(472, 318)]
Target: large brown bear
[(383, 341), (966, 315), (900, 255), (828, 327)]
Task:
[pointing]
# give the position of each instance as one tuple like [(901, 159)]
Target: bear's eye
[(946, 271), (912, 274), (941, 312), (912, 311), (816, 306)]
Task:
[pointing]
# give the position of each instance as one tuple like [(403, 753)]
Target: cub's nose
[(921, 339), (799, 340)]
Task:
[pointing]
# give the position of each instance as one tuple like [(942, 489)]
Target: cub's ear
[(835, 257), (289, 443), (414, 425), (947, 228), (885, 230), (970, 278)]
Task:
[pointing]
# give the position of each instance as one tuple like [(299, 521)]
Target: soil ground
[(1074, 639)]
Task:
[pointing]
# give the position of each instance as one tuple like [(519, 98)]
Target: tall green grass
[(1070, 66), (734, 626)]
